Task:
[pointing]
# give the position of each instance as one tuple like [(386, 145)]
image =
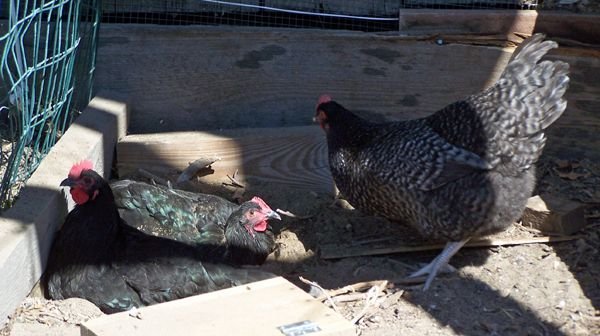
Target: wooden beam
[(335, 251), (274, 76), (294, 156), (453, 21), (260, 308), (571, 26), (553, 214), (27, 229)]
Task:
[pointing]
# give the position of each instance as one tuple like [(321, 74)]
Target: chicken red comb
[(77, 168), (261, 203), (324, 99)]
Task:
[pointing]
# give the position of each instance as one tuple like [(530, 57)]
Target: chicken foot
[(439, 262)]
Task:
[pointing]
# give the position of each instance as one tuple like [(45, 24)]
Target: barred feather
[(466, 170)]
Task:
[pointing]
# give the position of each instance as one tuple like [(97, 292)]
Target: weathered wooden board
[(553, 214), (293, 156), (201, 78), (557, 24), (258, 308), (205, 78), (336, 251), (27, 229), (427, 21)]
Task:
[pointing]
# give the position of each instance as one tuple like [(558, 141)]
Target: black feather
[(97, 257), (193, 218)]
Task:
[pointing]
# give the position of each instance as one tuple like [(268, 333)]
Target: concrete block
[(27, 229)]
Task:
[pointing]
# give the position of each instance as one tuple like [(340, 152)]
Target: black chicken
[(97, 257), (196, 218), (465, 171)]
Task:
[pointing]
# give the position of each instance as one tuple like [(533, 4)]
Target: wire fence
[(46, 65), (362, 15)]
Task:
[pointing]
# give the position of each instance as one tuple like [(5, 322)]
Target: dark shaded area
[(383, 54), (253, 59)]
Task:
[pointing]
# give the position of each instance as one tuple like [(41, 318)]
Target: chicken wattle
[(196, 218), (95, 256)]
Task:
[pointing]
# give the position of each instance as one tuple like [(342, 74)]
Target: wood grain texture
[(563, 25), (294, 156), (205, 78), (254, 309), (201, 78), (553, 214)]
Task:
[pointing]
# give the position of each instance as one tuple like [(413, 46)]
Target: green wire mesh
[(47, 64)]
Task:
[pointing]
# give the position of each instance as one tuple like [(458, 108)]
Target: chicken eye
[(251, 212), (87, 180)]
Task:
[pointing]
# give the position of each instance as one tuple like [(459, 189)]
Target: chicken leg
[(439, 262)]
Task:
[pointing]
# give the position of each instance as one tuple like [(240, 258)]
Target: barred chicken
[(462, 172)]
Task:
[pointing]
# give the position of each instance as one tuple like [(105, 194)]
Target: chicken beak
[(273, 215), (67, 183), (317, 118)]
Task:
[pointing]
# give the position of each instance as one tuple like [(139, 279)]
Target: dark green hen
[(195, 218), (466, 170), (96, 256)]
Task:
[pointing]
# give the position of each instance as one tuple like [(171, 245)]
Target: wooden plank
[(335, 251), (213, 78), (477, 21), (554, 214), (294, 156), (221, 78), (27, 229), (573, 26), (258, 308)]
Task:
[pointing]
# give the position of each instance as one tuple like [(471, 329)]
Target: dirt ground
[(532, 289)]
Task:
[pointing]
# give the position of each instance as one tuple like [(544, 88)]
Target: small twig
[(234, 182), (289, 214), (505, 311), (314, 284), (372, 296), (357, 287), (153, 177), (195, 167), (353, 297), (50, 314)]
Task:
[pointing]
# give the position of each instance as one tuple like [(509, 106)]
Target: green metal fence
[(47, 59)]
